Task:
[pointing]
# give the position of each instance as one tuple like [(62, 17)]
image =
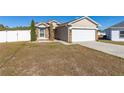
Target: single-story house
[(115, 32), (82, 29)]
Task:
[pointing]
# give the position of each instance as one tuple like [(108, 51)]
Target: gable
[(41, 25), (84, 23)]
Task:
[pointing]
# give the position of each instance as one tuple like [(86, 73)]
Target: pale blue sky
[(13, 21)]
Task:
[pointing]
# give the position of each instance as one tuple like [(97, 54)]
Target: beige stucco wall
[(37, 32), (61, 33), (84, 23), (47, 33)]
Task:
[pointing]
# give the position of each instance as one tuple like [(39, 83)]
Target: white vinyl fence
[(15, 36)]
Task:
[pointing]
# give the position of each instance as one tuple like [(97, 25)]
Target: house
[(115, 32), (82, 29), (101, 34)]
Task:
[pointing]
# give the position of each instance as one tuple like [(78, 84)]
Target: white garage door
[(83, 35)]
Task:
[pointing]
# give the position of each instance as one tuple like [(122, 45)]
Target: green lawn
[(112, 42), (46, 59)]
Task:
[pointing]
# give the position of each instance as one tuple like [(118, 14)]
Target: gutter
[(90, 28)]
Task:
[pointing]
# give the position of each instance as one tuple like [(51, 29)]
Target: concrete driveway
[(116, 50)]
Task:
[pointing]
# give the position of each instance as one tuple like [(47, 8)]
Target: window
[(122, 34), (42, 34)]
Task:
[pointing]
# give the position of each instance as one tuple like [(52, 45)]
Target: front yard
[(112, 42), (56, 59)]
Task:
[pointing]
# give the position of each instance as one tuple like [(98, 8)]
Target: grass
[(46, 59), (112, 42)]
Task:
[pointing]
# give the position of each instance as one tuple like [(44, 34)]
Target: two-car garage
[(79, 35), (82, 29)]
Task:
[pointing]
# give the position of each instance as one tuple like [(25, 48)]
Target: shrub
[(33, 32)]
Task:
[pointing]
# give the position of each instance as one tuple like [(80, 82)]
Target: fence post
[(6, 36), (17, 35)]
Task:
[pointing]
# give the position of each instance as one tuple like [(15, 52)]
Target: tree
[(33, 32), (2, 27)]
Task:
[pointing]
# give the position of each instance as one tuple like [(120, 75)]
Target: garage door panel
[(83, 35)]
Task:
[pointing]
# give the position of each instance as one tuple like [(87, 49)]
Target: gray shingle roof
[(78, 19), (118, 26), (121, 24)]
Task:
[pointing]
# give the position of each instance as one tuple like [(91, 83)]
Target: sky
[(13, 21)]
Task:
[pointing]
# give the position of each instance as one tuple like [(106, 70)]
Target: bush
[(33, 32), (2, 27)]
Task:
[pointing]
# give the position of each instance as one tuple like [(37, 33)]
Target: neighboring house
[(115, 32), (82, 29), (101, 34)]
